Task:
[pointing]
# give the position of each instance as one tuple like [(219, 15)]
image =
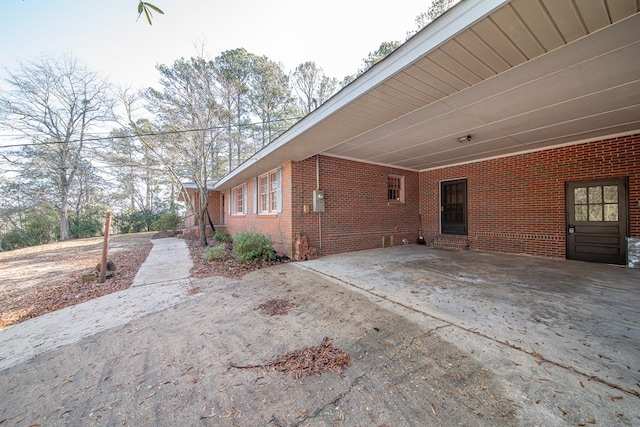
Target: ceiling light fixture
[(463, 139)]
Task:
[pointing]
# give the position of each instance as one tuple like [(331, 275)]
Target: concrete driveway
[(435, 338), (582, 317)]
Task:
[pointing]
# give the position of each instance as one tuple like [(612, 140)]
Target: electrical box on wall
[(318, 201)]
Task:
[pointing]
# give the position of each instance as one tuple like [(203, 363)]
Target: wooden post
[(105, 250)]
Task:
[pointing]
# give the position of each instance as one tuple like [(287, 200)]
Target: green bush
[(222, 236), (135, 221), (38, 229), (43, 228), (88, 223), (14, 239), (168, 221), (214, 253), (252, 247)]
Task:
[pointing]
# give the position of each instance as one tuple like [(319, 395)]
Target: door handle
[(572, 229)]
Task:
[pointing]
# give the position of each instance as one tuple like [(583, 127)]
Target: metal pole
[(105, 250)]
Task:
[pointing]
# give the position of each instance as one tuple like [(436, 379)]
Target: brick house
[(504, 125), (190, 196)]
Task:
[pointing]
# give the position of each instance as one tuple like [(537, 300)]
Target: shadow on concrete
[(581, 316)]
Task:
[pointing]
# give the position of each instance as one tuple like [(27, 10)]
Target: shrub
[(168, 221), (14, 239), (252, 246), (222, 236), (214, 253), (89, 223), (135, 221)]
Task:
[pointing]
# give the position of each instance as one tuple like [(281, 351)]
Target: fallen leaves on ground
[(312, 360), (229, 266), (276, 307), (65, 287), (308, 361)]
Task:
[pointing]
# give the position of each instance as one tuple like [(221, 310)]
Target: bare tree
[(311, 86), (53, 104), (139, 174), (190, 117)]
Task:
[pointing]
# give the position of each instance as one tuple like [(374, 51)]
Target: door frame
[(623, 219), (458, 228)]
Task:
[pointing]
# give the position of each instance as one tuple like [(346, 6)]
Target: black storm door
[(453, 207)]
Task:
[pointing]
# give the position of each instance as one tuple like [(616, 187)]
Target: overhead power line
[(169, 132)]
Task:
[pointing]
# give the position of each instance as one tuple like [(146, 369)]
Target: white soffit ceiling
[(531, 74)]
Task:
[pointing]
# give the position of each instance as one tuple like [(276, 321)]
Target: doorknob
[(572, 229)]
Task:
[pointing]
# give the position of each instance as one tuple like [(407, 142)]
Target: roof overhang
[(190, 188), (516, 75)]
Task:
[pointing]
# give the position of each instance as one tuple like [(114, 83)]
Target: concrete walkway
[(162, 282)]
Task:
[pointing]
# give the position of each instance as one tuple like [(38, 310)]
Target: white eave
[(191, 187), (516, 75)]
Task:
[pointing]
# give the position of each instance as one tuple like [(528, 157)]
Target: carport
[(578, 316), (495, 122)]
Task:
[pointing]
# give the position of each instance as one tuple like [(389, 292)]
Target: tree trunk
[(64, 219), (202, 226), (202, 216)]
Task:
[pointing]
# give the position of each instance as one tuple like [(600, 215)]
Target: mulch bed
[(65, 290), (229, 266)]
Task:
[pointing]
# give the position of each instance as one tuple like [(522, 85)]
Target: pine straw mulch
[(308, 361), (276, 307), (63, 290), (229, 266)]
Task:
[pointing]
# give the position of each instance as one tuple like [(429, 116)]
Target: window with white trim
[(395, 188), (238, 200), (269, 186)]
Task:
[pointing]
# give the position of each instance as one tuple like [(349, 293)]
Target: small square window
[(395, 188)]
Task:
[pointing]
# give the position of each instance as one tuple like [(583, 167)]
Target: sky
[(106, 36)]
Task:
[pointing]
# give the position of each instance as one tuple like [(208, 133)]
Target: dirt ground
[(212, 358), (40, 279), (202, 363)]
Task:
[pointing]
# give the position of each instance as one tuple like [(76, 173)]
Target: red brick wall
[(517, 204), (214, 208), (277, 226), (357, 213), (190, 221)]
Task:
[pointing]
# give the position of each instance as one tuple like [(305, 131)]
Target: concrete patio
[(583, 317)]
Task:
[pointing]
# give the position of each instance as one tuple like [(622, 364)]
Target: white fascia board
[(194, 186), (457, 19)]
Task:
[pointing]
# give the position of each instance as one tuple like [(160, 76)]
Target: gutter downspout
[(319, 213)]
